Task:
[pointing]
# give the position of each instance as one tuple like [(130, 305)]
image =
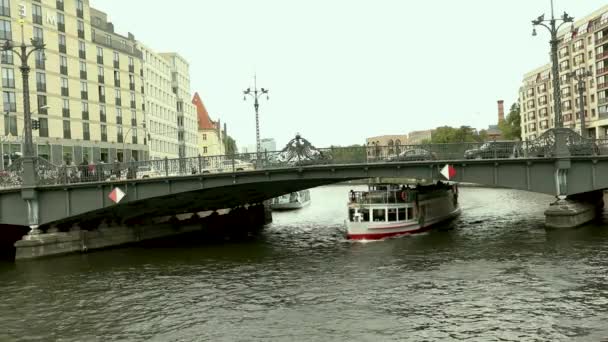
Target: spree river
[(494, 274)]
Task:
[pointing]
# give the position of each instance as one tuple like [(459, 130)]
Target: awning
[(583, 28)]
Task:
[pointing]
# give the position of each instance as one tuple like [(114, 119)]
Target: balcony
[(566, 109), (62, 48), (84, 95), (85, 115), (602, 86), (602, 101), (60, 5), (101, 79), (602, 71), (601, 56), (63, 69), (566, 95), (564, 68), (601, 40), (65, 92), (83, 75), (61, 27), (82, 54)]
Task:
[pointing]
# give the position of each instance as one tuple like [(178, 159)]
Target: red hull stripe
[(386, 235)]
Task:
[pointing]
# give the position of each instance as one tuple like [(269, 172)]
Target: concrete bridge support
[(80, 238), (575, 210)]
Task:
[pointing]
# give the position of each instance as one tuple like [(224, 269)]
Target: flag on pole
[(116, 195), (448, 171)]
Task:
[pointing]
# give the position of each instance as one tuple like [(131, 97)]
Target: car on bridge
[(496, 149), (414, 154), (576, 148)]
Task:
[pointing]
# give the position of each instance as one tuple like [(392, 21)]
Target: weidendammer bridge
[(69, 205)]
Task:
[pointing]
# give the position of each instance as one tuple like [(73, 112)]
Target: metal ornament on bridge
[(301, 151)]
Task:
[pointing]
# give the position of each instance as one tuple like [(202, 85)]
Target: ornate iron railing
[(300, 153)]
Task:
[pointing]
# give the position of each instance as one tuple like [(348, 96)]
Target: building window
[(119, 134), (67, 132), (42, 103), (43, 131), (99, 55), (64, 87), (41, 81), (5, 8), (37, 14), (84, 90), (5, 30), (66, 108), (62, 45), (38, 34), (82, 50), (39, 58), (79, 9), (60, 22), (102, 113), (204, 149), (104, 133), (80, 29), (9, 101), (83, 70), (8, 78), (118, 115), (86, 133), (63, 65), (6, 57), (10, 124), (108, 39)]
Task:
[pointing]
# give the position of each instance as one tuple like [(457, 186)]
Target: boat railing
[(381, 197)]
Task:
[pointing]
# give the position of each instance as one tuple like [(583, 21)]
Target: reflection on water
[(494, 273)]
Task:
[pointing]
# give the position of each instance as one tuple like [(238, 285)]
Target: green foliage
[(230, 145), (447, 134), (511, 126), (348, 154)]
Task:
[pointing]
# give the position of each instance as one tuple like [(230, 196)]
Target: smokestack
[(501, 110)]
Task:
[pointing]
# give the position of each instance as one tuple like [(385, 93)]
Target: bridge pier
[(79, 237), (574, 210)]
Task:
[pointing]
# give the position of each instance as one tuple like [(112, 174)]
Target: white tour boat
[(294, 200), (387, 210)]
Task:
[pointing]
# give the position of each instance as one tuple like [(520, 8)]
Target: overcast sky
[(342, 70)]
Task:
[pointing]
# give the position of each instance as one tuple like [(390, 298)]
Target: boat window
[(410, 214), (365, 213), (351, 215), (392, 214), (379, 215), (402, 214)]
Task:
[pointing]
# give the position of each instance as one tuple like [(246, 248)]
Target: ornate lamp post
[(28, 192), (553, 27), (580, 82), (24, 51), (255, 93)]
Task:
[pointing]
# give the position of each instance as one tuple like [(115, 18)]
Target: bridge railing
[(50, 174)]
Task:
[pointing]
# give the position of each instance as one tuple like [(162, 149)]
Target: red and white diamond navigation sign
[(116, 195), (448, 171)]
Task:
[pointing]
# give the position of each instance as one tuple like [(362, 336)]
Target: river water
[(493, 274)]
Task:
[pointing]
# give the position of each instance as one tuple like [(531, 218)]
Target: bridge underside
[(174, 195)]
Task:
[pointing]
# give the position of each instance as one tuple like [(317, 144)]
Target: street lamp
[(580, 82), (24, 51), (256, 94), (553, 29)]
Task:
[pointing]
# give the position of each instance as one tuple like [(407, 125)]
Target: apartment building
[(582, 48), (187, 125), (210, 135)]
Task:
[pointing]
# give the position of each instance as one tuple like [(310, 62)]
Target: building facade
[(210, 136), (85, 88), (186, 111), (418, 137), (584, 48)]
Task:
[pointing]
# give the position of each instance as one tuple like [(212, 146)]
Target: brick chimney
[(501, 110)]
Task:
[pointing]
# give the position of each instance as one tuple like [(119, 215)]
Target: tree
[(511, 126), (447, 134), (348, 154), (230, 145)]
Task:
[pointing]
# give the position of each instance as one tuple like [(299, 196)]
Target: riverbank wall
[(222, 224)]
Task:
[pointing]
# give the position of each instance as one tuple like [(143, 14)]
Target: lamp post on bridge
[(28, 192), (580, 79), (255, 93), (553, 27)]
